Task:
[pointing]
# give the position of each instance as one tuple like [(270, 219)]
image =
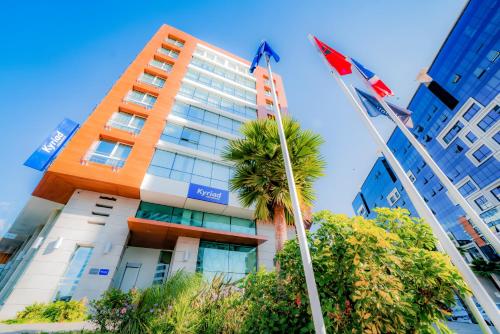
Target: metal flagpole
[(424, 212), (312, 290), (452, 190)]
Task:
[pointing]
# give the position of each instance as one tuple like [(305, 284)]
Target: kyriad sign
[(41, 158), (208, 194)]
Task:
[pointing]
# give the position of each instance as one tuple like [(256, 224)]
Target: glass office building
[(465, 141)]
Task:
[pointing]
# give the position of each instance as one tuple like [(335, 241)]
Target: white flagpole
[(317, 314), (424, 212), (452, 190)]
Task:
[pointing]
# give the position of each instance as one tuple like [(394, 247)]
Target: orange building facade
[(140, 190)]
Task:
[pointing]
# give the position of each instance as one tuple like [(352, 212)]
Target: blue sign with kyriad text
[(41, 158), (208, 194)]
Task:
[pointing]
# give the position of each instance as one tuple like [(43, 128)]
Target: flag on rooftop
[(378, 85), (334, 58), (264, 49), (374, 108)]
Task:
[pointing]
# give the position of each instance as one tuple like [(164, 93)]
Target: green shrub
[(373, 276), (114, 307), (57, 311)]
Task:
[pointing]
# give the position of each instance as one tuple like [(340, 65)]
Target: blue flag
[(374, 108), (264, 48)]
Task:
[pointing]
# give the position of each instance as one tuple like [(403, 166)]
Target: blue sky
[(59, 58)]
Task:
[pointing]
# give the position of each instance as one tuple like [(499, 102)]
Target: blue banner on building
[(208, 194), (46, 152)]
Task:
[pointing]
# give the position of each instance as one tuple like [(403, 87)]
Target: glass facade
[(198, 140), (195, 218), (465, 150), (189, 169), (205, 117), (231, 261), (74, 272)]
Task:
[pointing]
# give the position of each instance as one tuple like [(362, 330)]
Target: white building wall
[(76, 225), (267, 250), (185, 255), (146, 257)]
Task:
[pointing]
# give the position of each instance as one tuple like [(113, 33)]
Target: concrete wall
[(267, 250), (185, 254), (76, 225), (147, 257)]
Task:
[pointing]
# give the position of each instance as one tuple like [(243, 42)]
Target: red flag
[(334, 58)]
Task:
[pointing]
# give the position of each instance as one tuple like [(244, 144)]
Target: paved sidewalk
[(45, 327)]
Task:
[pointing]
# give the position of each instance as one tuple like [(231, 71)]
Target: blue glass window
[(471, 112), (496, 193), (452, 133), (483, 203), (471, 136), (232, 261), (496, 137), (482, 153), (490, 119), (73, 274), (195, 139), (111, 153), (468, 188)]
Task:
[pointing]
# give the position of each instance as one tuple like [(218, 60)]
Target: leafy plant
[(373, 276), (260, 177), (109, 312), (485, 268), (58, 311)]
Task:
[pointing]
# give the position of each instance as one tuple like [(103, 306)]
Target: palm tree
[(260, 177)]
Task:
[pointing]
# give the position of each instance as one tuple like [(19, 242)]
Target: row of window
[(221, 60), (189, 169), (153, 80), (198, 140), (205, 117), (221, 85), (219, 70), (195, 218), (217, 101)]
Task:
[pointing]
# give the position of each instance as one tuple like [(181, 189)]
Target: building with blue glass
[(464, 141)]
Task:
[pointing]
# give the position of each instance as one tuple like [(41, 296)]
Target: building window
[(452, 133), (471, 112), (164, 66), (195, 139), (468, 188), (411, 176), (174, 41), (73, 274), (110, 153), (217, 101), (195, 218), (223, 72), (153, 80), (471, 137), (169, 52), (221, 86), (145, 100), (496, 192), (269, 105), (456, 78), (496, 137), (483, 203), (188, 169), (267, 92), (127, 122), (482, 153), (490, 119), (393, 196), (479, 72), (492, 56), (162, 267), (232, 261), (207, 118), (361, 211)]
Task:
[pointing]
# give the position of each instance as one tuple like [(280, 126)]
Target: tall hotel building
[(141, 190), (465, 141)]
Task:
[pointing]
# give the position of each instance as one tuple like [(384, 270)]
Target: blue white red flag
[(378, 85), (374, 108)]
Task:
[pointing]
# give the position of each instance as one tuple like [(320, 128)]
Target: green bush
[(57, 311), (114, 307), (373, 276)]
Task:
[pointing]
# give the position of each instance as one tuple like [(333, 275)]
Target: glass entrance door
[(162, 268)]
